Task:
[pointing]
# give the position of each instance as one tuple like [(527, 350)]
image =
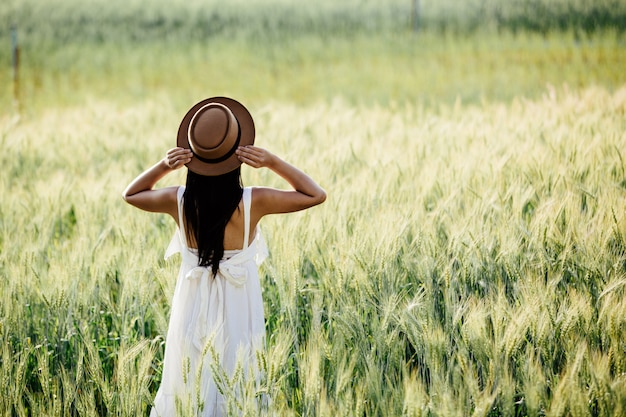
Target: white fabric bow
[(233, 270), (212, 296)]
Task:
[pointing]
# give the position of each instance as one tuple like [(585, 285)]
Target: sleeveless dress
[(215, 321)]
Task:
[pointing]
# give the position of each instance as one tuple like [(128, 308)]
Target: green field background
[(470, 259)]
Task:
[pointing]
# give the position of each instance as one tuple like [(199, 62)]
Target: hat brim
[(246, 126)]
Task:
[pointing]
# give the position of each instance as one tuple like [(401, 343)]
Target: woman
[(217, 317)]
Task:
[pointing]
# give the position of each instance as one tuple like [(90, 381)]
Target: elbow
[(320, 197), (129, 199), (126, 197)]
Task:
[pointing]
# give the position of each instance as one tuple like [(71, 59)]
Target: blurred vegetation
[(484, 273), (360, 50), (139, 21), (580, 16)]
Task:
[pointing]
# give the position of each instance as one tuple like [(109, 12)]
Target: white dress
[(215, 321)]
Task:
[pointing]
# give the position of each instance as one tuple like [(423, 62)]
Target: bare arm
[(140, 192), (306, 192)]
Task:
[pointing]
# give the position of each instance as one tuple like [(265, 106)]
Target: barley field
[(470, 259)]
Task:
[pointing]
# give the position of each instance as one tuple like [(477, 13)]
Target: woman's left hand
[(177, 157)]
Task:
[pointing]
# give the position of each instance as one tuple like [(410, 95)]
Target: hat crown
[(213, 131)]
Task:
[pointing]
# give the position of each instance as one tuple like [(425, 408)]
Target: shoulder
[(260, 194), (173, 194), (172, 199), (259, 198)]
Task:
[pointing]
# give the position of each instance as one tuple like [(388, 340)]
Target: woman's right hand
[(255, 157), (306, 193)]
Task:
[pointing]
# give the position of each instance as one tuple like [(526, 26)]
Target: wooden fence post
[(415, 15), (15, 55)]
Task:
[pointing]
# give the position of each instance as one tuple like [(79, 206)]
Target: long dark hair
[(208, 204)]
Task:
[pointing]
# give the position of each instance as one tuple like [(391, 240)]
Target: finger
[(183, 160), (243, 150), (179, 153), (179, 159), (249, 161), (173, 155), (182, 152), (178, 150), (251, 150), (246, 159), (243, 155)]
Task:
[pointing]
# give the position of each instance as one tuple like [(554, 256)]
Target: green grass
[(469, 259)]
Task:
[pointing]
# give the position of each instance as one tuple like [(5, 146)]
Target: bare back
[(235, 228)]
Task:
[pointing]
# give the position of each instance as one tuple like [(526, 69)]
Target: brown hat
[(213, 129)]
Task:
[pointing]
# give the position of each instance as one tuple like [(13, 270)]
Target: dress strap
[(247, 202), (181, 224), (179, 240)]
